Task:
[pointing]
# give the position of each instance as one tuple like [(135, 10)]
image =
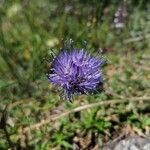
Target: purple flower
[(76, 72), (120, 16)]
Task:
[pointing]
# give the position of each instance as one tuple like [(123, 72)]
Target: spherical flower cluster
[(76, 72)]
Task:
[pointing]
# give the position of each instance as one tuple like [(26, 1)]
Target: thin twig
[(136, 39), (111, 93), (143, 67), (16, 103), (80, 108)]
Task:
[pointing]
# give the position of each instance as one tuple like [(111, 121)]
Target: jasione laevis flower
[(77, 72)]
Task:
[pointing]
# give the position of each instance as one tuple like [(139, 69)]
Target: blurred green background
[(30, 29)]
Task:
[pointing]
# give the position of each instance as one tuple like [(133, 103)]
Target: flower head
[(76, 72)]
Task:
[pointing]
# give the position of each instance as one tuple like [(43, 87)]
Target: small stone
[(133, 147), (130, 143), (146, 147)]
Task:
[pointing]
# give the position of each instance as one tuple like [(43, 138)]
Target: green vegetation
[(29, 30)]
